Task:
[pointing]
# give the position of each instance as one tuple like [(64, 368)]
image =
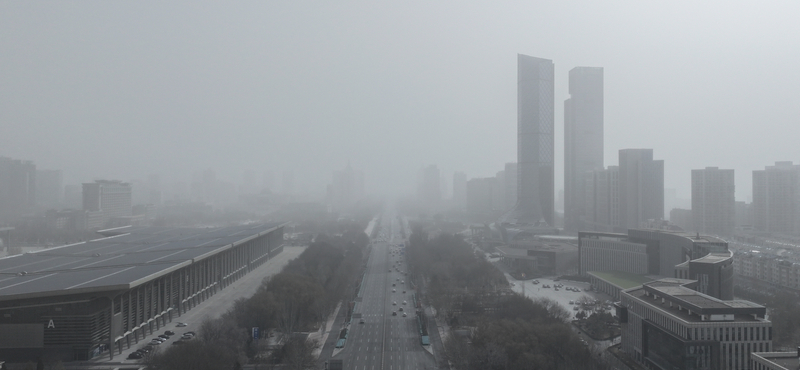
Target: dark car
[(164, 336), (135, 356), (394, 313), (169, 332)]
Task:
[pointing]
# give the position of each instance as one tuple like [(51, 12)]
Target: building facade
[(667, 324), (105, 200), (610, 252), (535, 142), (776, 198), (601, 208), (713, 201), (641, 187), (17, 188), (583, 139)]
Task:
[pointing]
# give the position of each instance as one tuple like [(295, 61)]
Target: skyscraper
[(583, 139), (105, 200), (460, 190), (641, 187), (713, 201), (17, 188), (535, 117)]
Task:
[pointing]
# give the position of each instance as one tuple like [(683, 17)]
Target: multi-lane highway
[(386, 340)]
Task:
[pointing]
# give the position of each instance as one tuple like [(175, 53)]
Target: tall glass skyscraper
[(583, 140), (535, 108)]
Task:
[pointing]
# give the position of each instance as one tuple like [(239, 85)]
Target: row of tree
[(298, 299), (496, 329)]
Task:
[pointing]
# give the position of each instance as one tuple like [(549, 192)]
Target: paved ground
[(216, 305), (563, 297)]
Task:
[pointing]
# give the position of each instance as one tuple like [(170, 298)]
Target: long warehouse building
[(82, 300)]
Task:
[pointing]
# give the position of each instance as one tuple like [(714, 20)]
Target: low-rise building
[(667, 324)]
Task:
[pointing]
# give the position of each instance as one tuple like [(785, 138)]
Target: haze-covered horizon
[(127, 89)]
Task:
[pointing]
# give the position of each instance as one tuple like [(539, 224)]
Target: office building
[(641, 187), (713, 201), (664, 253), (17, 188), (535, 117), (105, 200), (601, 197), (668, 324), (583, 139), (776, 198)]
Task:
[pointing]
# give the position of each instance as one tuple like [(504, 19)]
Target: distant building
[(776, 198), (346, 188), (641, 187), (539, 258), (667, 324), (105, 200), (17, 188), (535, 145), (583, 139), (511, 183), (713, 201), (744, 215), (429, 191), (460, 190), (660, 253), (682, 218), (601, 208), (499, 192), (480, 193), (49, 188)]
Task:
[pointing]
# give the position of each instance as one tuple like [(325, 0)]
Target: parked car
[(135, 356), (181, 324), (169, 332)]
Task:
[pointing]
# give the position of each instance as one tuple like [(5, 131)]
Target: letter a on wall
[(51, 324)]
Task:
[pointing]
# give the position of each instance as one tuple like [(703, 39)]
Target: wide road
[(385, 341)]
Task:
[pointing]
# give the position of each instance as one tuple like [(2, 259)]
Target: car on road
[(155, 342), (393, 290), (401, 309), (181, 324), (187, 337), (394, 303), (394, 313), (404, 314), (404, 291), (135, 356), (169, 332), (361, 321), (404, 302)]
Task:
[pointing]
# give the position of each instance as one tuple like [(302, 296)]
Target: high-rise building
[(583, 138), (104, 200), (601, 199), (641, 187), (713, 201), (499, 192), (17, 188), (776, 198), (535, 117)]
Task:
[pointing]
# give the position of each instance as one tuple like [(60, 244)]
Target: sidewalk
[(321, 336)]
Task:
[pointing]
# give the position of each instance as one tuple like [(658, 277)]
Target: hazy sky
[(104, 89)]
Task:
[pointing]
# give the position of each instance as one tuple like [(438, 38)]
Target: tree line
[(298, 299), (494, 328)]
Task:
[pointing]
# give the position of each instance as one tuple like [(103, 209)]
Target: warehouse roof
[(125, 258)]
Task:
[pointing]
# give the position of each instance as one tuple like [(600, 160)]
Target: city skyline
[(176, 98)]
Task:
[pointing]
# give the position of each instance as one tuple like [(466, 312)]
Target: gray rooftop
[(127, 257)]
